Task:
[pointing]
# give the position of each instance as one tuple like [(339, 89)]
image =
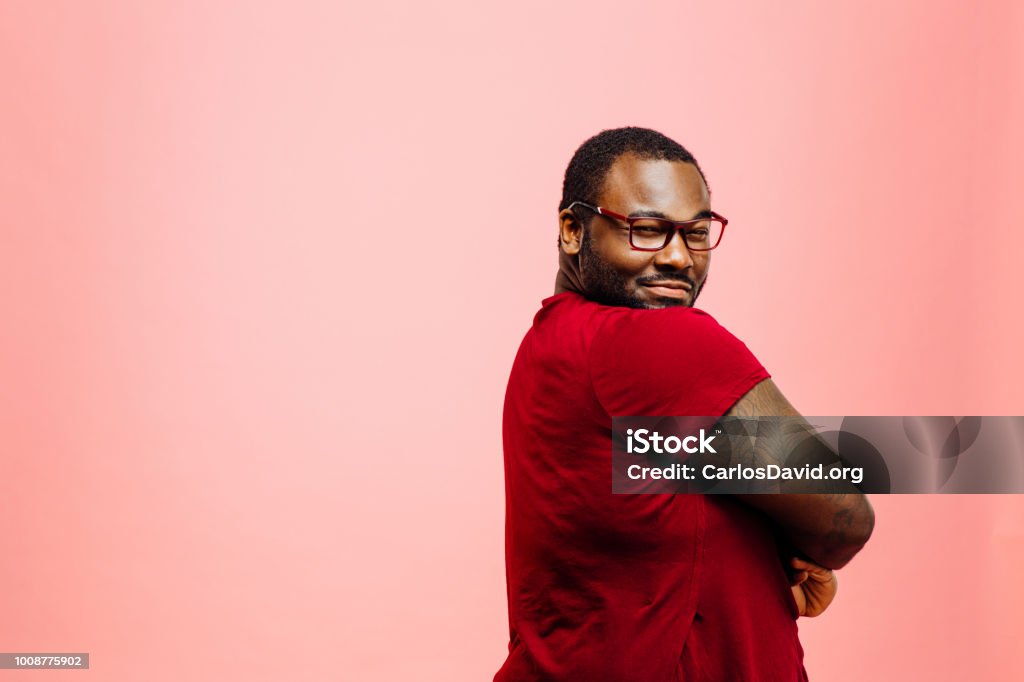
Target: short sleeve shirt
[(605, 587)]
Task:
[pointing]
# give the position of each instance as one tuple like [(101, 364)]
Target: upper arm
[(763, 400)]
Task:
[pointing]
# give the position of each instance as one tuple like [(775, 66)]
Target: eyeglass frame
[(678, 224)]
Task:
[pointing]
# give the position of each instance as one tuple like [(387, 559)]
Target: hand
[(814, 587)]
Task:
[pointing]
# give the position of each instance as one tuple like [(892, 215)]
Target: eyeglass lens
[(653, 233)]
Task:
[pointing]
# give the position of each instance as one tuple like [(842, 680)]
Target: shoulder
[(627, 327), (676, 361)]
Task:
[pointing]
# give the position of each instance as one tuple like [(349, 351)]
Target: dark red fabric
[(651, 588)]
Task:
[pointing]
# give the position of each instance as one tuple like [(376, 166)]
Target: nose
[(675, 256)]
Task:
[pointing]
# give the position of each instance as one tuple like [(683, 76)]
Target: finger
[(821, 577), (798, 578)]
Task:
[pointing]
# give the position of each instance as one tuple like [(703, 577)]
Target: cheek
[(700, 265), (614, 250), (628, 262)]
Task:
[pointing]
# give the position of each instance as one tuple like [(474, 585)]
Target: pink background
[(264, 268)]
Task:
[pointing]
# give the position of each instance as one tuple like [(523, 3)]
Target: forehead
[(674, 188)]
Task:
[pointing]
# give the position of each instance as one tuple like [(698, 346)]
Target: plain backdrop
[(264, 267)]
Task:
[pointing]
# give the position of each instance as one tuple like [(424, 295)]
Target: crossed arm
[(828, 529)]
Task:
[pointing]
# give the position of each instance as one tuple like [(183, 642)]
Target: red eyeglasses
[(654, 234)]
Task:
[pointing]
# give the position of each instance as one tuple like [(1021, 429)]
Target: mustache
[(667, 277)]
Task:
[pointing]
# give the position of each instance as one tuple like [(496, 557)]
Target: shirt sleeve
[(674, 361)]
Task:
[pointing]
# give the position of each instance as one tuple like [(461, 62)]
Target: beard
[(605, 285)]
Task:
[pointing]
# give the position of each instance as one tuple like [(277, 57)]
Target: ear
[(570, 232)]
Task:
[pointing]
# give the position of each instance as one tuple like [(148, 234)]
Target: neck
[(568, 277)]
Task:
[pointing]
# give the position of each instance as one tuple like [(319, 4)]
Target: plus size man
[(648, 587)]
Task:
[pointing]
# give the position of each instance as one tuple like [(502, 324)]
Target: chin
[(669, 303)]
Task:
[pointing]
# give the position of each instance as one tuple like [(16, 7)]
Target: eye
[(648, 228)]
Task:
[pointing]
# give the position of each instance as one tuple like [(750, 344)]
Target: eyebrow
[(706, 213)]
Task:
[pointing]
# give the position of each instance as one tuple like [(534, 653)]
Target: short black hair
[(585, 174)]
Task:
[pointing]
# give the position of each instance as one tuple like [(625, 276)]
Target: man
[(648, 587)]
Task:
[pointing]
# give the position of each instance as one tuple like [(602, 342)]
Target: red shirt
[(631, 587)]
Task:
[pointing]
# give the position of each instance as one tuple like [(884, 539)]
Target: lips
[(668, 288), (669, 284)]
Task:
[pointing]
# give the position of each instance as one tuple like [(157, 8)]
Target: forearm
[(829, 529)]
